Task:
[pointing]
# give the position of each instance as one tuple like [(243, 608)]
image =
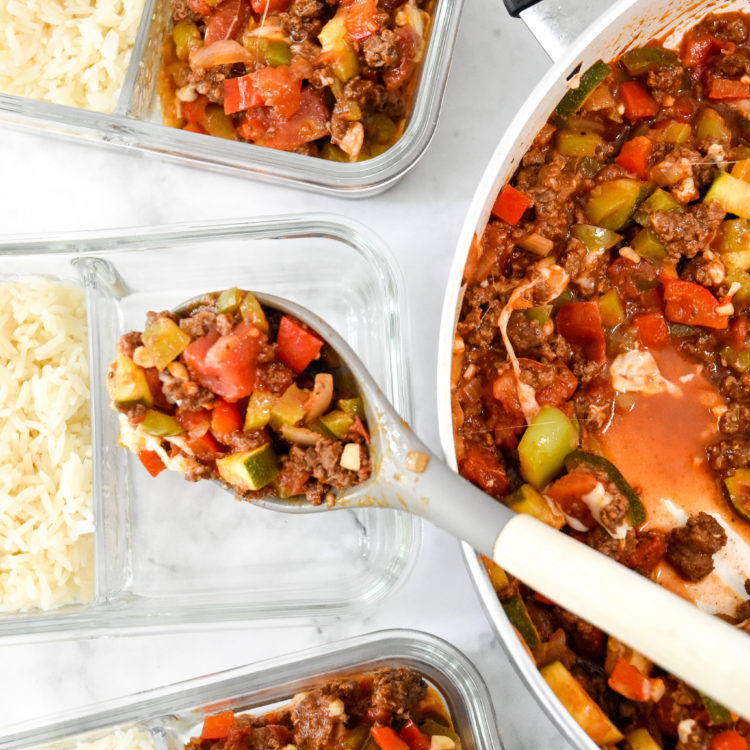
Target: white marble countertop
[(50, 185)]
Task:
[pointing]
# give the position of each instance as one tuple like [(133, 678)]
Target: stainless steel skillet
[(624, 24)]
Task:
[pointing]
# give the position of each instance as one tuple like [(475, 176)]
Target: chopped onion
[(300, 435), (536, 244), (223, 52), (321, 396), (350, 458)]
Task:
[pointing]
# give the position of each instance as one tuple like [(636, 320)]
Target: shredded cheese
[(636, 371)]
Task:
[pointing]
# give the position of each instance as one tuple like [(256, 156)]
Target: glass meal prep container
[(136, 121), (167, 717), (169, 553)]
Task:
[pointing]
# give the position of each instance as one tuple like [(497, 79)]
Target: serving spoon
[(701, 649)]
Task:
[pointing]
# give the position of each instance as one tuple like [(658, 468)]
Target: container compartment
[(168, 552)]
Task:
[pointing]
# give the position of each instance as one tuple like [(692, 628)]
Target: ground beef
[(614, 512), (645, 552), (303, 19), (525, 335), (397, 690), (668, 80), (181, 11), (730, 28), (736, 419), (210, 82), (705, 271), (688, 233), (730, 454), (322, 462), (240, 441), (598, 539), (735, 388), (274, 377), (381, 50), (187, 394), (585, 638), (199, 323), (595, 404), (735, 65), (314, 725), (679, 702), (197, 472), (128, 343), (690, 548)]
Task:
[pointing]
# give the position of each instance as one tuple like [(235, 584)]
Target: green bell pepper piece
[(711, 124), (622, 339), (643, 59), (185, 36), (640, 739), (289, 409), (548, 439), (575, 98), (611, 309), (577, 143), (612, 204), (252, 312), (636, 511), (717, 713), (590, 167), (352, 406), (540, 314), (258, 411), (738, 487), (228, 301), (338, 422), (165, 341), (160, 424), (742, 278), (595, 238), (333, 153), (434, 728), (380, 129), (659, 200), (677, 132), (681, 330), (738, 361), (648, 246)]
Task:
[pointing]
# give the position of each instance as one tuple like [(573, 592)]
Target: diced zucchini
[(519, 617), (595, 238), (498, 577), (739, 361), (548, 439), (160, 424), (640, 739), (127, 384), (612, 204), (321, 429), (575, 98), (165, 341), (734, 244), (258, 411), (380, 129), (249, 470), (659, 200), (252, 312), (738, 275), (333, 40), (528, 500), (290, 408), (352, 406), (338, 422), (577, 142), (711, 124), (346, 65), (731, 194), (218, 123), (717, 713), (643, 59), (228, 301), (611, 308), (580, 705), (738, 487), (186, 35), (540, 314), (649, 247), (676, 132)]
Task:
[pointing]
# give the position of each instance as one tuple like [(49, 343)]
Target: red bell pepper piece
[(195, 112), (730, 739), (269, 6), (308, 123), (387, 739), (634, 155), (696, 48), (278, 88), (630, 682), (296, 347), (481, 467), (226, 365), (692, 304), (736, 334), (653, 332), (225, 418), (194, 127), (255, 123), (728, 88), (151, 462), (225, 21), (415, 739), (205, 446), (581, 323), (239, 94), (637, 101), (360, 19), (195, 423), (511, 204), (217, 727)]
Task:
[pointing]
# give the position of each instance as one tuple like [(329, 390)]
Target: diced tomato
[(697, 48), (649, 551), (511, 204), (195, 112), (151, 462), (652, 299), (194, 127), (685, 105), (729, 739), (543, 599), (359, 428), (225, 418), (226, 365), (481, 467), (637, 101), (633, 684), (376, 715), (292, 479), (308, 123), (387, 739), (407, 41), (581, 323), (415, 739), (360, 19), (239, 94), (296, 347), (205, 447), (195, 423), (225, 21), (255, 123), (728, 88), (217, 727), (269, 6), (736, 334), (201, 7), (568, 491), (634, 155), (653, 332), (278, 88), (692, 304)]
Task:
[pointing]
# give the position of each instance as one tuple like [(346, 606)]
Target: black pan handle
[(516, 6)]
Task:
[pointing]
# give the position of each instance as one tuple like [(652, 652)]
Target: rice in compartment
[(72, 52), (46, 515), (120, 738)]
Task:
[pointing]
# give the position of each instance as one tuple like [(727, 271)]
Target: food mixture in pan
[(601, 374), (233, 391), (394, 709), (332, 79)]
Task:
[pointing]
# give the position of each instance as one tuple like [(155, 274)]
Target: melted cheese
[(636, 371), (136, 440), (597, 500)]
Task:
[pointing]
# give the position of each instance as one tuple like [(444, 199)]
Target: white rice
[(46, 515), (123, 738), (72, 52)]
